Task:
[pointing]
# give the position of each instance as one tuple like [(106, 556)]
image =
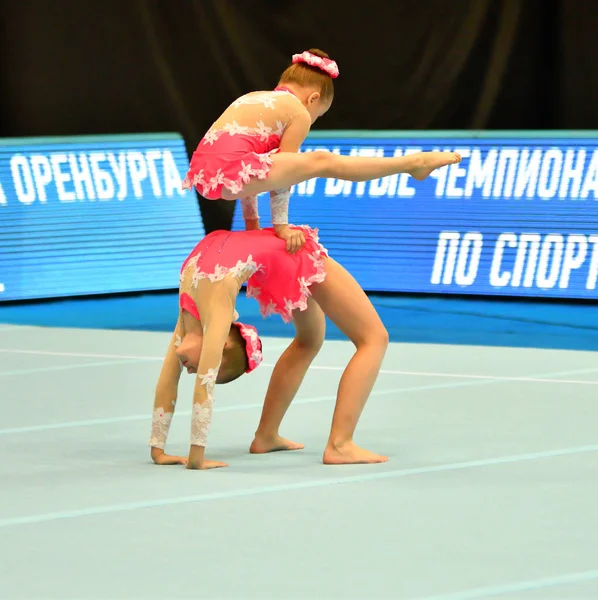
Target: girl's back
[(260, 116)]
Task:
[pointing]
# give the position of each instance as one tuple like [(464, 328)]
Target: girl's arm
[(217, 315), (250, 213), (165, 401), (291, 141)]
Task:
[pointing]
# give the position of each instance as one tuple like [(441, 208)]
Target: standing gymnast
[(253, 147), (302, 287)]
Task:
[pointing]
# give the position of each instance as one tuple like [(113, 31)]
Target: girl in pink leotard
[(253, 147), (208, 341)]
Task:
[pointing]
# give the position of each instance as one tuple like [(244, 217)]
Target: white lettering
[(23, 179), (465, 275), (550, 172), (572, 173), (42, 174), (498, 278), (481, 173), (334, 187), (450, 239), (575, 254), (103, 179), (590, 183), (60, 178), (2, 195), (379, 187), (593, 273), (137, 171), (81, 174), (172, 177), (525, 257), (307, 188), (527, 176), (151, 157), (549, 266), (120, 172), (506, 157)]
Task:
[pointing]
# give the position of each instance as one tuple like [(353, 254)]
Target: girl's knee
[(381, 337), (322, 162), (375, 337), (312, 343)]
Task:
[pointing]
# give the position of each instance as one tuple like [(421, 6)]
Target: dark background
[(70, 67)]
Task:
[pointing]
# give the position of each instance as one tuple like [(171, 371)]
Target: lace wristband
[(249, 206), (201, 417), (160, 427), (279, 206)]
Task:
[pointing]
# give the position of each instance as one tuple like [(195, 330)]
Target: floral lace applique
[(263, 131), (242, 270), (268, 99), (201, 416), (161, 421)]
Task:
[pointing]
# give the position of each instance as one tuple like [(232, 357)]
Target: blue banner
[(94, 215), (518, 216)]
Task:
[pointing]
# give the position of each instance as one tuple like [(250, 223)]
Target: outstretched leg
[(348, 307), (310, 326), (290, 168)]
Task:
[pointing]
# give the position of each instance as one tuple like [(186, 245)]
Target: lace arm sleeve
[(166, 392), (216, 329), (279, 206), (249, 206)]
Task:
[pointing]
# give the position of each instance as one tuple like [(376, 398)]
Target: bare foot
[(261, 445), (432, 161), (350, 454), (205, 465)]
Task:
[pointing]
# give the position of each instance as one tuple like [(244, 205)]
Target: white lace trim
[(192, 263), (254, 292), (268, 99), (161, 421), (242, 270), (201, 416), (262, 131), (319, 276)]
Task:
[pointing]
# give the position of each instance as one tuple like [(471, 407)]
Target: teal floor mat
[(408, 319)]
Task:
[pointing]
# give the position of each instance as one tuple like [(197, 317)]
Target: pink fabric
[(253, 345), (229, 161), (187, 303), (279, 281), (324, 64)]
